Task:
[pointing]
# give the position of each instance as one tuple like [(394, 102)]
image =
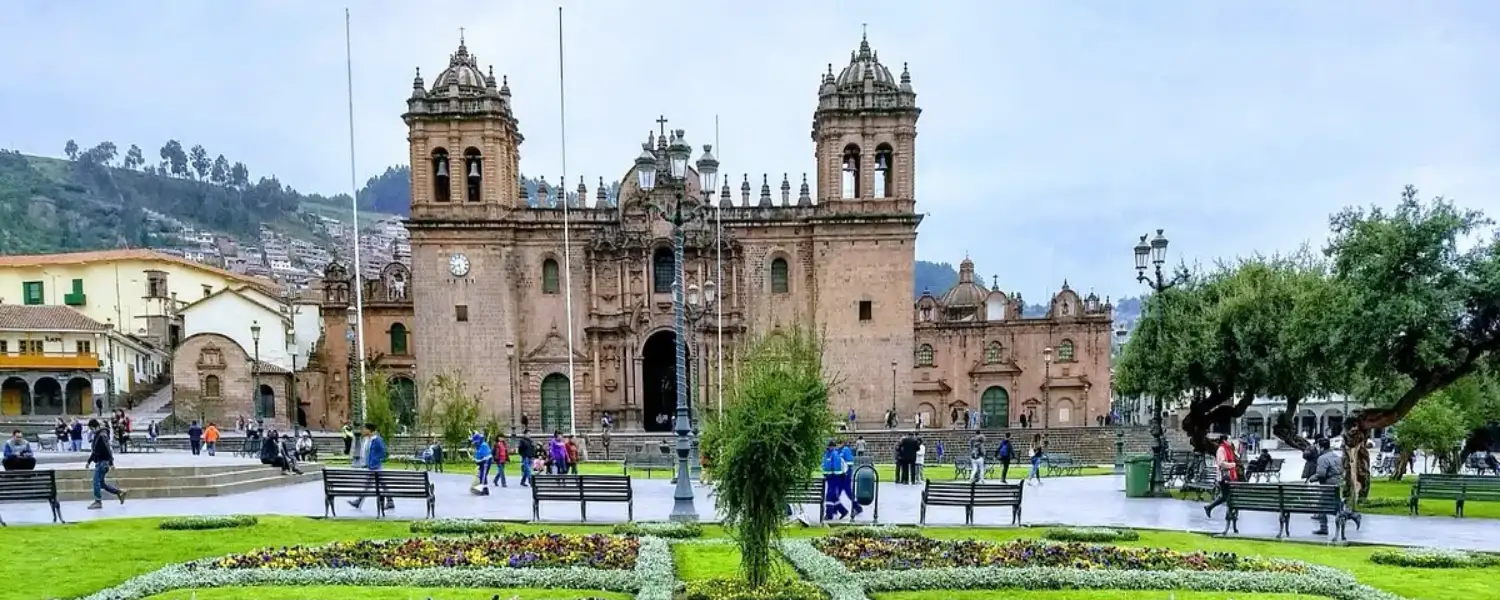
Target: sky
[(1053, 133)]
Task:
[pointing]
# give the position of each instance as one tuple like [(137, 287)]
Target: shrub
[(738, 589), (1090, 534), (878, 532), (208, 522), (457, 526), (678, 531), (1433, 558)]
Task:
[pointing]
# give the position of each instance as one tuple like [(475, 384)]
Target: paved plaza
[(1094, 500)]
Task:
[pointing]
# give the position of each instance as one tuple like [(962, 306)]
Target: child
[(501, 457), (538, 465)]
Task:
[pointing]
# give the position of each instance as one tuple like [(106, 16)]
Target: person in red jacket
[(501, 455)]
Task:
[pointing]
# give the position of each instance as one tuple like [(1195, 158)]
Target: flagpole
[(562, 95), (719, 258), (359, 277)]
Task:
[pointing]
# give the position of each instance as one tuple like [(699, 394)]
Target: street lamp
[(1047, 387), (699, 304), (893, 388), (260, 412), (109, 384), (510, 353), (668, 171), (291, 403), (1155, 251)]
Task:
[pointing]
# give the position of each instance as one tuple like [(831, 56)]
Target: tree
[(1423, 306), (71, 150), (377, 401), (239, 175), (776, 417), (173, 159), (133, 157), (1436, 427), (451, 410), (200, 160), (219, 173)]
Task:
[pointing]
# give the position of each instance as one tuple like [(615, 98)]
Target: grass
[(376, 593), (1090, 595), (137, 546)]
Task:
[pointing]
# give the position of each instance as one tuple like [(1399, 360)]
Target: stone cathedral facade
[(833, 251)]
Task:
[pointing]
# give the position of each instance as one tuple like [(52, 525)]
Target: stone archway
[(47, 396), (15, 397), (659, 381), (79, 395)]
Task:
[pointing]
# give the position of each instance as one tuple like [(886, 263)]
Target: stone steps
[(184, 482)]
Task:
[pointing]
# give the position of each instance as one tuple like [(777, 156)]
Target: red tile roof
[(18, 317)]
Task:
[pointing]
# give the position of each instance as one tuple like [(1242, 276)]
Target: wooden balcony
[(50, 361)]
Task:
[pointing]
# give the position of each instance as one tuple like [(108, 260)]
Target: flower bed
[(737, 589), (457, 526), (595, 562), (1433, 558), (515, 551), (207, 522), (871, 554), (1038, 565), (1090, 534)]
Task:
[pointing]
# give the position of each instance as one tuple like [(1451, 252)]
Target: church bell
[(474, 169), (442, 168)]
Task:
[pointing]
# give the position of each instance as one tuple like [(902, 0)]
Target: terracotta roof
[(71, 258), (18, 317)]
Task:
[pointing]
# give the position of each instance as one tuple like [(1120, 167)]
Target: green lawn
[(393, 593), (1090, 595), (137, 546)]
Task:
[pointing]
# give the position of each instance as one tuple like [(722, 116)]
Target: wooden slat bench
[(582, 489), (31, 486), (963, 468), (970, 496), (807, 491), (383, 485), (1202, 479), (648, 461), (1458, 488), (346, 483), (1272, 471), (1284, 499), (1061, 464)]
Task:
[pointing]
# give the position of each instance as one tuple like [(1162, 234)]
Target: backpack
[(1004, 452)]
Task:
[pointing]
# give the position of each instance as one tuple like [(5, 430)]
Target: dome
[(865, 64), (967, 292), (462, 70)]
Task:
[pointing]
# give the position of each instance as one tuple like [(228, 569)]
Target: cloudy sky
[(1052, 132)]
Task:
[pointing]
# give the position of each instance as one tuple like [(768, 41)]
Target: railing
[(49, 360)]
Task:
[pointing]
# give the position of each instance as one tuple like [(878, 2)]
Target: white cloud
[(1052, 132)]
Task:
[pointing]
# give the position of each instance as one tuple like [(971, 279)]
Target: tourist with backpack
[(1004, 454)]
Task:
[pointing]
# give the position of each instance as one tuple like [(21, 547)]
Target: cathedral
[(833, 251)]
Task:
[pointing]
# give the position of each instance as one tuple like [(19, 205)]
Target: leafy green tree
[(776, 417), (173, 159), (454, 411), (239, 175), (1423, 306), (200, 161), (133, 158), (219, 173), (1436, 427), (71, 150)]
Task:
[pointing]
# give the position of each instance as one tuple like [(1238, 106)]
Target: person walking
[(102, 459), (373, 455), (195, 437), (906, 458), (1036, 461), (1328, 469), (976, 458), (1227, 462), (482, 458), (571, 445), (527, 450), (918, 476), (211, 438), (557, 453), (1005, 453), (75, 435), (847, 482), (501, 456), (348, 434), (833, 476)]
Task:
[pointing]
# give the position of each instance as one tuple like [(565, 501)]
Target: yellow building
[(56, 361), (135, 291)]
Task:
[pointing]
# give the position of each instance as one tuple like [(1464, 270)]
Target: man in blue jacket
[(374, 458), (847, 485), (834, 470)]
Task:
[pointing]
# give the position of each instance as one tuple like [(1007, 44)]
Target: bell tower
[(465, 144), (864, 133)]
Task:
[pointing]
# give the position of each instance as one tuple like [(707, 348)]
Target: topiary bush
[(1433, 558), (1090, 534), (677, 531), (207, 522), (457, 526)]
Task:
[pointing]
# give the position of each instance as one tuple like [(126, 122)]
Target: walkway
[(1069, 500)]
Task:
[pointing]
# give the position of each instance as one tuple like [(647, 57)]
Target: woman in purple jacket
[(557, 450)]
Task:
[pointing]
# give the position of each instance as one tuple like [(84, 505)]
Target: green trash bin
[(1138, 476)]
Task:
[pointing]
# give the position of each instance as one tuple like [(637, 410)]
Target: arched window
[(473, 173), (557, 403), (398, 339), (992, 353), (849, 184), (884, 182), (211, 386), (779, 283), (549, 276), (1065, 351), (441, 192), (663, 270), (924, 355)]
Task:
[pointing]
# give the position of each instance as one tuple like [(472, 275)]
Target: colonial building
[(387, 335), (491, 274), (56, 361), (976, 351)]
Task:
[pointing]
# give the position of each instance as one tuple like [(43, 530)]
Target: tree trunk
[(1285, 428), (1403, 458), (1203, 415), (1357, 464)]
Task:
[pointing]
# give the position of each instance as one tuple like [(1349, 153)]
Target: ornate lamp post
[(893, 388), (699, 304), (678, 208), (260, 410), (1155, 252), (1046, 387)]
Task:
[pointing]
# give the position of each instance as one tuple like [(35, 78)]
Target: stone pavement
[(1070, 500)]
